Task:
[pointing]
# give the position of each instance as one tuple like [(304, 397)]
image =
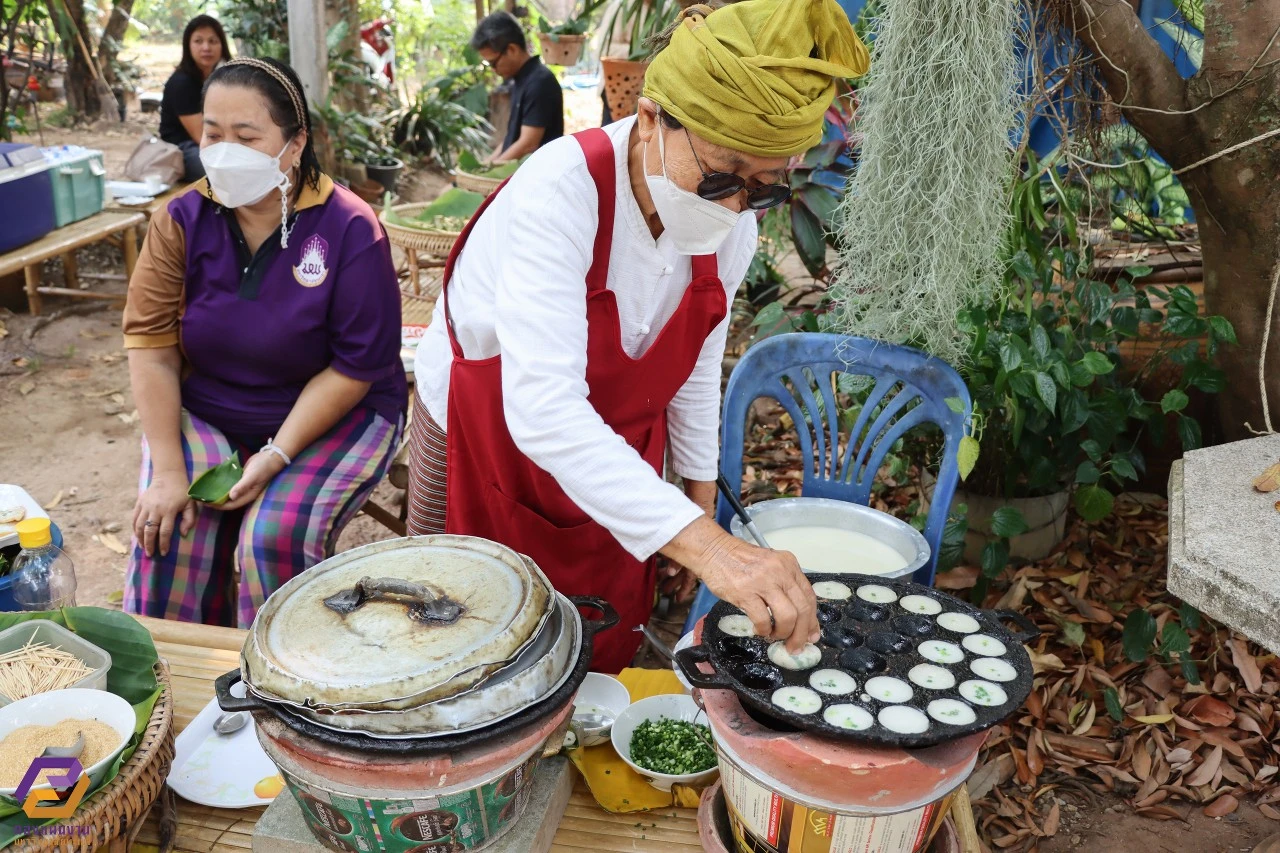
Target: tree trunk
[(113, 39), (84, 95), (1236, 199)]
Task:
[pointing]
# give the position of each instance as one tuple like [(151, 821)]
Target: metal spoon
[(229, 723), (732, 497), (656, 641), (72, 751), (593, 724)]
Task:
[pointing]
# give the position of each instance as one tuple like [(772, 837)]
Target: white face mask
[(697, 225), (240, 175)]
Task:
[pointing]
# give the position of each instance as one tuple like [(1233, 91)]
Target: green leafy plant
[(439, 123), (639, 21), (1052, 411), (261, 27), (576, 25)]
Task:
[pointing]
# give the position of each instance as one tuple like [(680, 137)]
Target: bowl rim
[(598, 676), (653, 774), (111, 756)]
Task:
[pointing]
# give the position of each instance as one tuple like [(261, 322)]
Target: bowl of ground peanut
[(62, 719)]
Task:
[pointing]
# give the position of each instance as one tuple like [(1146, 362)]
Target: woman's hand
[(768, 586), (158, 508), (260, 470)]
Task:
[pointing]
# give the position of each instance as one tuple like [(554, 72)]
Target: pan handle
[(227, 702), (1029, 630), (688, 660), (591, 627)]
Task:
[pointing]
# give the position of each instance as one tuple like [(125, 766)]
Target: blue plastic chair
[(907, 388)]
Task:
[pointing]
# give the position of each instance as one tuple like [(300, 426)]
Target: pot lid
[(395, 624)]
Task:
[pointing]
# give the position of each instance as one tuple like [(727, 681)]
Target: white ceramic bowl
[(76, 703), (601, 694), (685, 642), (672, 706)]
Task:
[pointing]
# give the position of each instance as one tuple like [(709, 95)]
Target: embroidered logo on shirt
[(312, 270)]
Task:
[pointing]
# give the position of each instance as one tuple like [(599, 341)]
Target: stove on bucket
[(408, 689)]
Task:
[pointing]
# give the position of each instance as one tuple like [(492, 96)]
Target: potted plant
[(562, 43), (631, 25), (1055, 422)]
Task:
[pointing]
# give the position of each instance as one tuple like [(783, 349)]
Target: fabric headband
[(280, 78)]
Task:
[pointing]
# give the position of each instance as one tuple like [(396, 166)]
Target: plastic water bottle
[(44, 578)]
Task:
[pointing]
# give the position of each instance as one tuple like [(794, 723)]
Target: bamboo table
[(198, 654), (64, 241)]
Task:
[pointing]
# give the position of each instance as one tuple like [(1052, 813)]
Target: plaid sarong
[(293, 524)]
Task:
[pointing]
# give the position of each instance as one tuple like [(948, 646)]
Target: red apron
[(496, 492)]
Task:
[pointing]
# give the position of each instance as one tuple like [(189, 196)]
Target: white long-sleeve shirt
[(519, 290)]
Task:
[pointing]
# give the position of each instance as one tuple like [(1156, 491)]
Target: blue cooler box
[(26, 195)]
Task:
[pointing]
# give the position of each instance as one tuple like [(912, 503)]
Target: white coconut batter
[(831, 590), (952, 712), (848, 717), (833, 682), (985, 645), (736, 626), (940, 651), (931, 677), (835, 550), (797, 700), (903, 720), (993, 669), (886, 688), (983, 693), (961, 623), (877, 594), (921, 604), (807, 658)]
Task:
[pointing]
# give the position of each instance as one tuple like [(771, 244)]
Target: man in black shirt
[(537, 104)]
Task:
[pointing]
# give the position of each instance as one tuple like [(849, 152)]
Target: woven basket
[(432, 242), (114, 815), (477, 184)]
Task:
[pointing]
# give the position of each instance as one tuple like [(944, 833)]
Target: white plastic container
[(53, 634)]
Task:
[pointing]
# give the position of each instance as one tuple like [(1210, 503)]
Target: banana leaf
[(214, 485), (132, 677), (467, 162), (461, 204)]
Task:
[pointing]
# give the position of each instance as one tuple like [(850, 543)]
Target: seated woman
[(204, 47), (263, 318)]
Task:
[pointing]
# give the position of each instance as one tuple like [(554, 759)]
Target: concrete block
[(281, 829), (1224, 537)]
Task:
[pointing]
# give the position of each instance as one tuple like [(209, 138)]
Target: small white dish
[(74, 703), (135, 200), (669, 706), (601, 694), (221, 771), (685, 642)]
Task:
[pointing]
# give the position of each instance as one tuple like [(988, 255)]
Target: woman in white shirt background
[(579, 339)]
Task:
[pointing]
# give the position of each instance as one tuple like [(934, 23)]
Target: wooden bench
[(109, 224)]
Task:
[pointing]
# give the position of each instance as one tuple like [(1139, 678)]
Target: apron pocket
[(526, 517)]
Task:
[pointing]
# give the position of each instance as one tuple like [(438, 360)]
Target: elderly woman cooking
[(584, 319)]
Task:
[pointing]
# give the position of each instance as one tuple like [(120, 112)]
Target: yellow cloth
[(616, 787), (758, 75)]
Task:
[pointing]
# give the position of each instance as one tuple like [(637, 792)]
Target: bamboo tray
[(110, 820), (476, 183), (437, 243)]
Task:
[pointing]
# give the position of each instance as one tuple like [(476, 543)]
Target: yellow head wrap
[(758, 75)]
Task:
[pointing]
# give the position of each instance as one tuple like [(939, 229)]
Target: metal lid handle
[(426, 604)]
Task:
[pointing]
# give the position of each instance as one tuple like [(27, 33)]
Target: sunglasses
[(715, 186)]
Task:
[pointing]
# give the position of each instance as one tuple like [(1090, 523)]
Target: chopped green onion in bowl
[(672, 747)]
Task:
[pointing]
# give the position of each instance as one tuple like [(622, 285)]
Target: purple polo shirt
[(255, 330)]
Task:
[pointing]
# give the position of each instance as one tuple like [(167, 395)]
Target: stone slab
[(1224, 537), (281, 829)]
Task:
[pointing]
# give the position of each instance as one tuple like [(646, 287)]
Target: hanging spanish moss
[(923, 224)]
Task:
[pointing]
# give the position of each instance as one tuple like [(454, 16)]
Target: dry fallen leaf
[(26, 388), (1222, 806), (1051, 822), (1268, 480), (1210, 710), (1155, 719), (1245, 664), (115, 597), (1205, 772), (113, 543), (57, 499), (1269, 811)]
